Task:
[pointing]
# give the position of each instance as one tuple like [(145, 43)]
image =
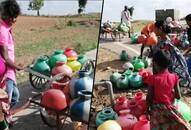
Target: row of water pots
[(69, 57), (136, 63), (129, 79), (126, 114), (129, 114), (74, 94)]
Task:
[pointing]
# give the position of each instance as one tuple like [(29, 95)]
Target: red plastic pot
[(121, 103), (144, 73), (54, 99), (142, 39), (70, 53), (63, 85), (142, 124), (140, 98), (126, 120), (135, 109)]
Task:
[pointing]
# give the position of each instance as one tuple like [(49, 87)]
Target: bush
[(71, 23)]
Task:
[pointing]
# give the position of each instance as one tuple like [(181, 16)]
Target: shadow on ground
[(29, 119), (114, 64)]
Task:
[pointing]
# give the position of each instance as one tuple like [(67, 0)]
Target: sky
[(61, 7), (144, 9)]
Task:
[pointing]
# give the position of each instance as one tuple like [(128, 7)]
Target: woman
[(147, 30), (178, 65)]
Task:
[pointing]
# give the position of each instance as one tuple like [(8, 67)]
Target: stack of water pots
[(67, 57), (74, 92), (133, 75), (125, 115), (128, 114)]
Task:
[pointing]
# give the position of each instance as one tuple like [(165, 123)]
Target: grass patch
[(35, 48), (138, 25)]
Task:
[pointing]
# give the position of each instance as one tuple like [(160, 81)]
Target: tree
[(82, 5), (36, 5)]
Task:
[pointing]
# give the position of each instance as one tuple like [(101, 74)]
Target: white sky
[(60, 7), (144, 9)]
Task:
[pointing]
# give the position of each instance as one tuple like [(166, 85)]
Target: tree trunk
[(38, 13)]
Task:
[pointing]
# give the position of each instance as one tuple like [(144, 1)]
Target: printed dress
[(178, 64)]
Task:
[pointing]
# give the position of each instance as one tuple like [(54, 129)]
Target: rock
[(99, 108)]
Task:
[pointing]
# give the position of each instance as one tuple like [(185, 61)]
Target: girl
[(163, 89), (9, 12), (178, 64)]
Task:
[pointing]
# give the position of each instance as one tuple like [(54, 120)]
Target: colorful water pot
[(57, 56), (42, 66), (126, 120), (106, 114), (80, 107), (110, 125), (84, 82)]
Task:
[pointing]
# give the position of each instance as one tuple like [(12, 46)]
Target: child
[(9, 12), (163, 89), (146, 31)]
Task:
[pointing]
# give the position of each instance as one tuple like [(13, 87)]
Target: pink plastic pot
[(142, 124), (126, 120), (61, 68), (70, 53)]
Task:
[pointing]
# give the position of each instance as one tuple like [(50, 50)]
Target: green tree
[(82, 5), (36, 5)]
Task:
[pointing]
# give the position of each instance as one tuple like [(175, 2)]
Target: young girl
[(178, 64), (9, 12), (163, 89)]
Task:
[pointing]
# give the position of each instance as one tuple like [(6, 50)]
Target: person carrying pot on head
[(126, 17), (178, 64), (146, 31), (163, 89)]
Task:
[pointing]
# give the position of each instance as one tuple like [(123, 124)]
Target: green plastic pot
[(135, 80), (139, 64), (183, 109), (57, 56), (128, 73), (114, 77), (106, 114), (122, 82), (82, 59), (134, 38), (42, 66), (124, 56)]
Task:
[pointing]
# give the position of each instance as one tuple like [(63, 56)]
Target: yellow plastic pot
[(109, 125)]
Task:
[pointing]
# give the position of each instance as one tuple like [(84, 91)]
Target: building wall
[(163, 14)]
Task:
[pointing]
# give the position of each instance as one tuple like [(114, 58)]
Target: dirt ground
[(108, 58)]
